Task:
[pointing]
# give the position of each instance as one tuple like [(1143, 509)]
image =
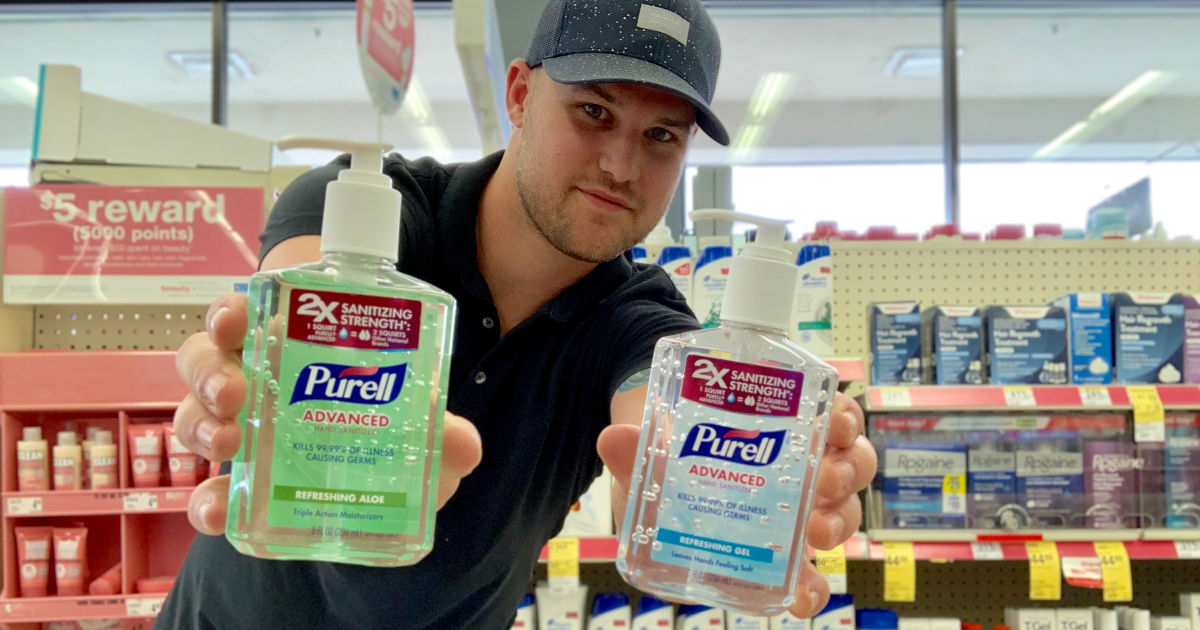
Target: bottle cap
[(31, 434), (606, 602), (762, 278), (661, 234), (66, 438), (362, 210), (648, 603), (103, 438)]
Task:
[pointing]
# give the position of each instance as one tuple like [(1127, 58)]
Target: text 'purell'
[(752, 448), (372, 385)]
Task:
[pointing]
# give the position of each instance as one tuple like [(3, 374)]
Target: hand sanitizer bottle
[(733, 432), (346, 364)]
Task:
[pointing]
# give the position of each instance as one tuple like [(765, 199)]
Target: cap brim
[(610, 68)]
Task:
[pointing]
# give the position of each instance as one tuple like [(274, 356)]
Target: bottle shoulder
[(749, 345), (366, 280)]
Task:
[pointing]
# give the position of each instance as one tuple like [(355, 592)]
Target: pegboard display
[(115, 327), (948, 272), (970, 591)]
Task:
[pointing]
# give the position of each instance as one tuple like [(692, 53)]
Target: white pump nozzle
[(362, 210), (762, 278)]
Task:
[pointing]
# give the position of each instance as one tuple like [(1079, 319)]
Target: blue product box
[(1148, 333), (1027, 345), (914, 476), (953, 345), (895, 343), (1089, 325), (1050, 478)]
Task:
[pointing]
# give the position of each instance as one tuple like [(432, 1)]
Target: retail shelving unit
[(146, 529)]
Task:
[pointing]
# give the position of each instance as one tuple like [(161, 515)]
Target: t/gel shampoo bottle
[(733, 431), (346, 364)]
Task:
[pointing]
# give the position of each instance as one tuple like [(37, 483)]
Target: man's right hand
[(206, 420)]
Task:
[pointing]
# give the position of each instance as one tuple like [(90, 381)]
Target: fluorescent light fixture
[(1135, 92), (22, 89), (1063, 138), (1141, 88), (772, 89), (747, 140), (197, 64), (434, 139), (416, 103), (916, 61)]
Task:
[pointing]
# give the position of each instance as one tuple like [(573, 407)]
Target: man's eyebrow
[(676, 123), (682, 125)]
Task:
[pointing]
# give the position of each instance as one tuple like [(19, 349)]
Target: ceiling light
[(1063, 138), (771, 91), (416, 103), (197, 64), (1147, 84), (916, 61), (21, 89)]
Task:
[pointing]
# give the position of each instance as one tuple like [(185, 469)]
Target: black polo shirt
[(539, 397)]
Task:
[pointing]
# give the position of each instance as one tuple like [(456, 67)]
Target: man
[(554, 335)]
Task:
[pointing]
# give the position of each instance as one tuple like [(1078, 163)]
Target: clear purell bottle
[(346, 362), (731, 440)]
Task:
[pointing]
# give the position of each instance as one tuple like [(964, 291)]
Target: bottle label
[(350, 454), (735, 482), (354, 321)]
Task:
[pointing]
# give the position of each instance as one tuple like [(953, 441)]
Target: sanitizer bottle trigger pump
[(732, 436), (346, 363)]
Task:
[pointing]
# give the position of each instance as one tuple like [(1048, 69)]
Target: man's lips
[(606, 198)]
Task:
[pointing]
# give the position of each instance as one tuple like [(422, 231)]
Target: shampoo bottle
[(731, 438), (68, 462), (33, 461), (812, 318), (346, 364)]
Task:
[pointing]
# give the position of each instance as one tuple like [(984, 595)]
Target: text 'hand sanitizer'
[(732, 436), (346, 364)]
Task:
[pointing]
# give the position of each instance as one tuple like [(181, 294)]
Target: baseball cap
[(667, 44)]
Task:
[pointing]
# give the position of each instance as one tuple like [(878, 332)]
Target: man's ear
[(516, 92)]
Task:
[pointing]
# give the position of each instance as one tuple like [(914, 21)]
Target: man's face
[(597, 163)]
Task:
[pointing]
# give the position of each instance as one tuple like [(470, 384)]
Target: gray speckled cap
[(668, 44)]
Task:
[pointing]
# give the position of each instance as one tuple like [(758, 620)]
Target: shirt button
[(480, 377), (488, 322)]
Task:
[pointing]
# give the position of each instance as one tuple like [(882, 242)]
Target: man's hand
[(205, 422), (847, 466)]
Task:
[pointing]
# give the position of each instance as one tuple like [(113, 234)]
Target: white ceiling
[(1024, 76)]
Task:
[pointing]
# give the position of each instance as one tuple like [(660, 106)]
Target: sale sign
[(74, 244), (385, 34)]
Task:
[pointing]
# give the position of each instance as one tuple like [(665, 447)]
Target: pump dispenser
[(736, 418), (346, 362)]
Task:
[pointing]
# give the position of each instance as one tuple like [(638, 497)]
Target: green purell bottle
[(346, 362)]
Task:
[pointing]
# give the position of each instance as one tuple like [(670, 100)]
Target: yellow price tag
[(563, 567), (1148, 415), (1045, 577), (832, 564), (1114, 569), (954, 494), (899, 572), (1019, 397)]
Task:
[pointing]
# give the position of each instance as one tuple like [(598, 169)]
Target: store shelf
[(1021, 398), (123, 501), (849, 369), (42, 609), (1137, 550), (66, 381)]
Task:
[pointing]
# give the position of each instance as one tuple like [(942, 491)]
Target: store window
[(133, 53), (1064, 108), (835, 112), (302, 77)]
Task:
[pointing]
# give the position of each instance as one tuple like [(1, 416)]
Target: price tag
[(899, 572), (1095, 397), (140, 502), (832, 564), (1114, 567), (143, 606), (563, 572), (895, 397), (954, 494), (1187, 549), (987, 551), (24, 505), (1019, 397), (1045, 580), (1148, 416)]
